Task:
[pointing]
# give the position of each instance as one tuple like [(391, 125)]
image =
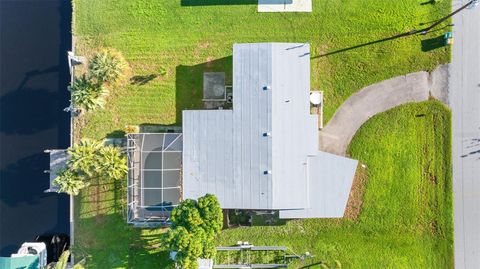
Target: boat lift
[(246, 250)]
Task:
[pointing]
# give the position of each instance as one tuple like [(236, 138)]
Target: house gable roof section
[(256, 156)]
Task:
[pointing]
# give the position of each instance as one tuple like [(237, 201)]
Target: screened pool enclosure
[(154, 176)]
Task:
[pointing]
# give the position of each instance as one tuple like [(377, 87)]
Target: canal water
[(35, 36)]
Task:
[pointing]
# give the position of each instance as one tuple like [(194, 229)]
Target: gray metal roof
[(154, 175), (330, 179), (256, 155)]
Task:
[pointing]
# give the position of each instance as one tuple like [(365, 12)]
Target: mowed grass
[(104, 239), (406, 220), (181, 42)]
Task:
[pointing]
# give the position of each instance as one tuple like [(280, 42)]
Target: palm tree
[(63, 260), (69, 182), (84, 157), (87, 95), (113, 163), (108, 66)]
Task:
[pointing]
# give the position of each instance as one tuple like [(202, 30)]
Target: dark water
[(34, 39)]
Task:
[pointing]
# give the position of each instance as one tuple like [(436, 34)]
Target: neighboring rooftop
[(284, 5), (263, 154)]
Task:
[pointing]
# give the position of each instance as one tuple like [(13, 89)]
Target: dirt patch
[(321, 49), (210, 61), (204, 45), (434, 227), (355, 199)]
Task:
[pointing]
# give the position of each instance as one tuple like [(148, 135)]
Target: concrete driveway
[(377, 98)]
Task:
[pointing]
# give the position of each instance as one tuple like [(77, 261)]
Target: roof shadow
[(189, 83), (433, 43)]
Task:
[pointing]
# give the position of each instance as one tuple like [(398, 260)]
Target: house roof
[(330, 179), (255, 156)]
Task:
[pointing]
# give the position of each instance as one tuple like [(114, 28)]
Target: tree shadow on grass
[(142, 80), (402, 35), (430, 2), (115, 244), (116, 134), (189, 83), (433, 43), (101, 225)]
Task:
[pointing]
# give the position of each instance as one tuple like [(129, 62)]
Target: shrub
[(63, 260), (90, 159), (108, 66), (211, 213), (84, 157), (112, 162), (186, 215), (188, 246), (69, 182), (194, 228), (132, 129), (86, 95)]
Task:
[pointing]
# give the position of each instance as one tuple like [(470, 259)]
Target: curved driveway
[(377, 98)]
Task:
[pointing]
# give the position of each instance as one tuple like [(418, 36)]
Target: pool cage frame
[(138, 213)]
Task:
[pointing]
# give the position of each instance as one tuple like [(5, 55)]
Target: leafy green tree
[(193, 231), (108, 66), (86, 95), (84, 157), (69, 182), (209, 248), (186, 214), (89, 159), (211, 213), (187, 245), (112, 162)]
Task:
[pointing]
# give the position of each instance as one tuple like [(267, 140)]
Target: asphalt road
[(465, 103), (34, 39)]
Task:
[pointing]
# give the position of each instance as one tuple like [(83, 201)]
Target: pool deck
[(35, 36)]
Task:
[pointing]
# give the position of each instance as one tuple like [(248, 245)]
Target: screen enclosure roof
[(154, 177)]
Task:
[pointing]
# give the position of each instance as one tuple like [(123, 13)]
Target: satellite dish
[(316, 98)]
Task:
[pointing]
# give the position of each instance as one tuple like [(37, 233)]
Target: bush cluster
[(90, 160), (107, 69), (194, 228)]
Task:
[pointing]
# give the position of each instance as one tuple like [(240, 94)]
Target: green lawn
[(407, 214), (406, 220), (158, 36)]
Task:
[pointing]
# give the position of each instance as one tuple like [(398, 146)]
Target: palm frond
[(87, 95), (108, 66)]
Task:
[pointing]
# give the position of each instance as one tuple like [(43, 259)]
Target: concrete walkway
[(377, 98)]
